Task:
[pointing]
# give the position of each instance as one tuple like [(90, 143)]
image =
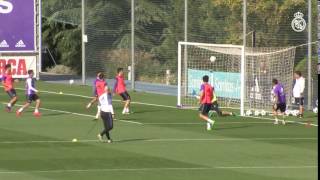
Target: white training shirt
[(30, 86), (298, 87), (106, 103)]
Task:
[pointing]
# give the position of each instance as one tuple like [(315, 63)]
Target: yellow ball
[(74, 140)]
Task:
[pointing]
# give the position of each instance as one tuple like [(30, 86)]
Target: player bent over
[(99, 85), (106, 114), (279, 100), (206, 95), (7, 82), (120, 88), (215, 108), (31, 95)]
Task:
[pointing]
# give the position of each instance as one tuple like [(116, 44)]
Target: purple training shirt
[(278, 91)]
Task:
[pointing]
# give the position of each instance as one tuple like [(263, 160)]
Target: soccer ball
[(248, 113), (288, 113), (315, 110), (294, 112), (256, 113), (71, 81), (213, 59), (263, 113)]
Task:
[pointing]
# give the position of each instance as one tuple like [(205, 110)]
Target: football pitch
[(157, 141)]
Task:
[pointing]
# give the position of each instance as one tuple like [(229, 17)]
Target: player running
[(7, 82), (31, 95), (205, 101), (279, 100), (215, 108), (120, 88), (106, 114), (99, 85)]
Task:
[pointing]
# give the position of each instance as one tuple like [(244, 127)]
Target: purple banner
[(17, 25)]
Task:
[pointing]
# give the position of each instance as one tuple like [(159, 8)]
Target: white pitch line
[(78, 114), (157, 169), (158, 105), (188, 123), (296, 122), (226, 139), (89, 97), (164, 140)]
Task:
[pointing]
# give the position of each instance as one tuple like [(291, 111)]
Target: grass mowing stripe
[(186, 123), (89, 97), (158, 169), (158, 105), (135, 122), (296, 122), (168, 140), (77, 114)]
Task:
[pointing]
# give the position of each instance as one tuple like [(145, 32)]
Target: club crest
[(298, 24)]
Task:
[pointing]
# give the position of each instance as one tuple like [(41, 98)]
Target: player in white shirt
[(298, 91), (31, 95), (105, 101)]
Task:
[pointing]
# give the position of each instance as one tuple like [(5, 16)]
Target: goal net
[(242, 78)]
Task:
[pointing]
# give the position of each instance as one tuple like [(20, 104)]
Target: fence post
[(309, 54), (243, 58), (132, 47), (168, 74), (83, 56)]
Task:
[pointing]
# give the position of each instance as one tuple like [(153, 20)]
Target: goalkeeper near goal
[(216, 110)]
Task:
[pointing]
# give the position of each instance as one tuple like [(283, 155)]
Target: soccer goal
[(242, 77)]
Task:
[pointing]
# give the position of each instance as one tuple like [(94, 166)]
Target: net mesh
[(159, 26), (222, 63)]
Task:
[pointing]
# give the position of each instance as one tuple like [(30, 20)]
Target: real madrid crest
[(298, 24)]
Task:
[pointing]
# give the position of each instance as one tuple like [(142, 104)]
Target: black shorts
[(32, 97), (107, 120), (215, 107), (12, 93), (205, 108), (299, 101), (281, 106), (125, 96)]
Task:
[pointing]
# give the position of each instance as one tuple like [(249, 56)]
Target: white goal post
[(183, 60), (241, 77)]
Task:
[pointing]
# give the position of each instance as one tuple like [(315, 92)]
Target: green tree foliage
[(159, 25)]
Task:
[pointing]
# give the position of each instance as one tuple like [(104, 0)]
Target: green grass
[(167, 144)]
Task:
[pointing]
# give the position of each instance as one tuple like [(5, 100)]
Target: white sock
[(89, 105), (124, 110), (98, 111), (208, 125), (20, 110), (9, 104), (127, 110), (210, 121), (36, 110)]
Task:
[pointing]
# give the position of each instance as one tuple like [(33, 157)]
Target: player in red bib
[(205, 101), (7, 82), (120, 88), (99, 86)]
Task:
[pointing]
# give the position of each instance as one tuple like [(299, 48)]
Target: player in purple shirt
[(31, 94), (279, 100)]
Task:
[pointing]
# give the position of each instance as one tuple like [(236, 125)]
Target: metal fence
[(142, 35)]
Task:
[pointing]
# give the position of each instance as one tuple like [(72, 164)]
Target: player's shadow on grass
[(149, 111), (131, 140), (233, 127), (53, 114)]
